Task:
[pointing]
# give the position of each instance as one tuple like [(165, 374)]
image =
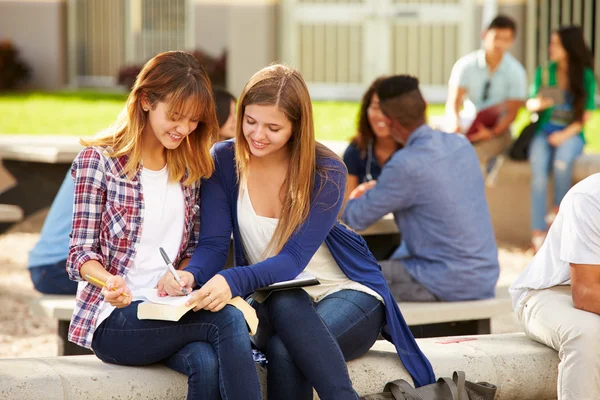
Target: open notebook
[(172, 308)]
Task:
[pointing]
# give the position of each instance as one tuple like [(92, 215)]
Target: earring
[(145, 109)]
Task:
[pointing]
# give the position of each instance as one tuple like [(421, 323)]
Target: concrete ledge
[(10, 213), (509, 199), (521, 368), (53, 149)]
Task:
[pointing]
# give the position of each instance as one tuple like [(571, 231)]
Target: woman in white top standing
[(137, 190), (280, 194)]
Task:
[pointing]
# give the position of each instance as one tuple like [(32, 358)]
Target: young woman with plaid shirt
[(136, 190)]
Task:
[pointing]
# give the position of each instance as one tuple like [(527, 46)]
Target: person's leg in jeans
[(304, 352), (52, 279), (562, 167), (548, 317), (540, 156), (199, 361), (489, 149), (124, 339), (402, 285)]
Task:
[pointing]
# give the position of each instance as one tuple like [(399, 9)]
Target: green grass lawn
[(83, 113)]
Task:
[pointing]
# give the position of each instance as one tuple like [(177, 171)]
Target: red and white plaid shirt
[(108, 214)]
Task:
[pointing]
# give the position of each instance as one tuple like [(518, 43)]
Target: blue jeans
[(53, 279), (212, 349), (544, 158), (310, 343)]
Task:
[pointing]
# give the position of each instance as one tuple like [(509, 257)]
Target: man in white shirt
[(557, 297), (488, 77)]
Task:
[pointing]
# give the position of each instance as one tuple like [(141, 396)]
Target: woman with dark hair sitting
[(225, 107), (563, 94), (372, 146)]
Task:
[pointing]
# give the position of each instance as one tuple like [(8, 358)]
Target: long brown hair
[(284, 87), (178, 79), (364, 132), (579, 57)]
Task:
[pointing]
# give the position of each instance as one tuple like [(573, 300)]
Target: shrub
[(13, 71), (216, 68)]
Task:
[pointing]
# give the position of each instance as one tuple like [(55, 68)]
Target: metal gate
[(544, 16), (340, 46), (105, 35)]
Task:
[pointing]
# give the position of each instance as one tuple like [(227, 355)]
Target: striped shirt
[(108, 215)]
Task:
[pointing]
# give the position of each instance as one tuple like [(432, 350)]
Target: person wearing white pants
[(557, 297)]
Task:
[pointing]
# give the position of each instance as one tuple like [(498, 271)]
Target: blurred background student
[(372, 146), (225, 105)]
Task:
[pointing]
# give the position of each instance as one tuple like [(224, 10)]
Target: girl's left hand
[(212, 296), (557, 138)]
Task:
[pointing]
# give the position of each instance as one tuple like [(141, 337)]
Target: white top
[(574, 237), (507, 82), (162, 226), (256, 233)]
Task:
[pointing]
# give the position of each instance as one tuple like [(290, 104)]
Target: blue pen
[(172, 268)]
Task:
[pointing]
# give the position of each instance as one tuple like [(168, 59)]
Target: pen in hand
[(172, 269)]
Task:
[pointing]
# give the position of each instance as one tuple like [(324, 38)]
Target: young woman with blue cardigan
[(280, 193)]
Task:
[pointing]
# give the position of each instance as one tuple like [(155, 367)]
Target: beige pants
[(488, 149), (550, 318)]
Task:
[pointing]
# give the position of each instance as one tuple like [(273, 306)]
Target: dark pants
[(402, 285), (52, 279), (212, 349), (309, 343)]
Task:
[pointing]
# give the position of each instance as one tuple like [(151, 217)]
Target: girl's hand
[(362, 189), (167, 285), (212, 296), (546, 102), (113, 292), (557, 138)]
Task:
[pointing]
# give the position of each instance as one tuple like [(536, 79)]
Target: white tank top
[(256, 233)]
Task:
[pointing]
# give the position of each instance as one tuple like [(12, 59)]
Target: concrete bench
[(10, 213), (509, 199), (424, 319), (521, 368)]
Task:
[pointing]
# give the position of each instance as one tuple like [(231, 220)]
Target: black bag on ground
[(456, 388), (519, 150)]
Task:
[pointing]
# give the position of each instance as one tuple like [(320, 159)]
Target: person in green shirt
[(563, 95)]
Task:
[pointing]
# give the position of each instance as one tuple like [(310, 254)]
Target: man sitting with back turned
[(435, 189)]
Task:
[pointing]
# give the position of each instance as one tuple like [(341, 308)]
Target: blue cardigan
[(218, 218)]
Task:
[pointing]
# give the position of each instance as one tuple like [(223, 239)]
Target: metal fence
[(105, 35), (544, 16), (340, 46)]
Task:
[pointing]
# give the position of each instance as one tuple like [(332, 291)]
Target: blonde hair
[(178, 79), (284, 87)]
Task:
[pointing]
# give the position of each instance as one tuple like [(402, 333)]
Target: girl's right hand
[(113, 292), (167, 285), (546, 102)]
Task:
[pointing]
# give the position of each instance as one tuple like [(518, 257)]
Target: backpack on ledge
[(457, 388)]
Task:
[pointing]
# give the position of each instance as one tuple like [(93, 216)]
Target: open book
[(172, 308)]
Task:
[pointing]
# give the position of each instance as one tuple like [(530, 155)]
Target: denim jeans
[(311, 343), (53, 279), (543, 158), (212, 349)]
